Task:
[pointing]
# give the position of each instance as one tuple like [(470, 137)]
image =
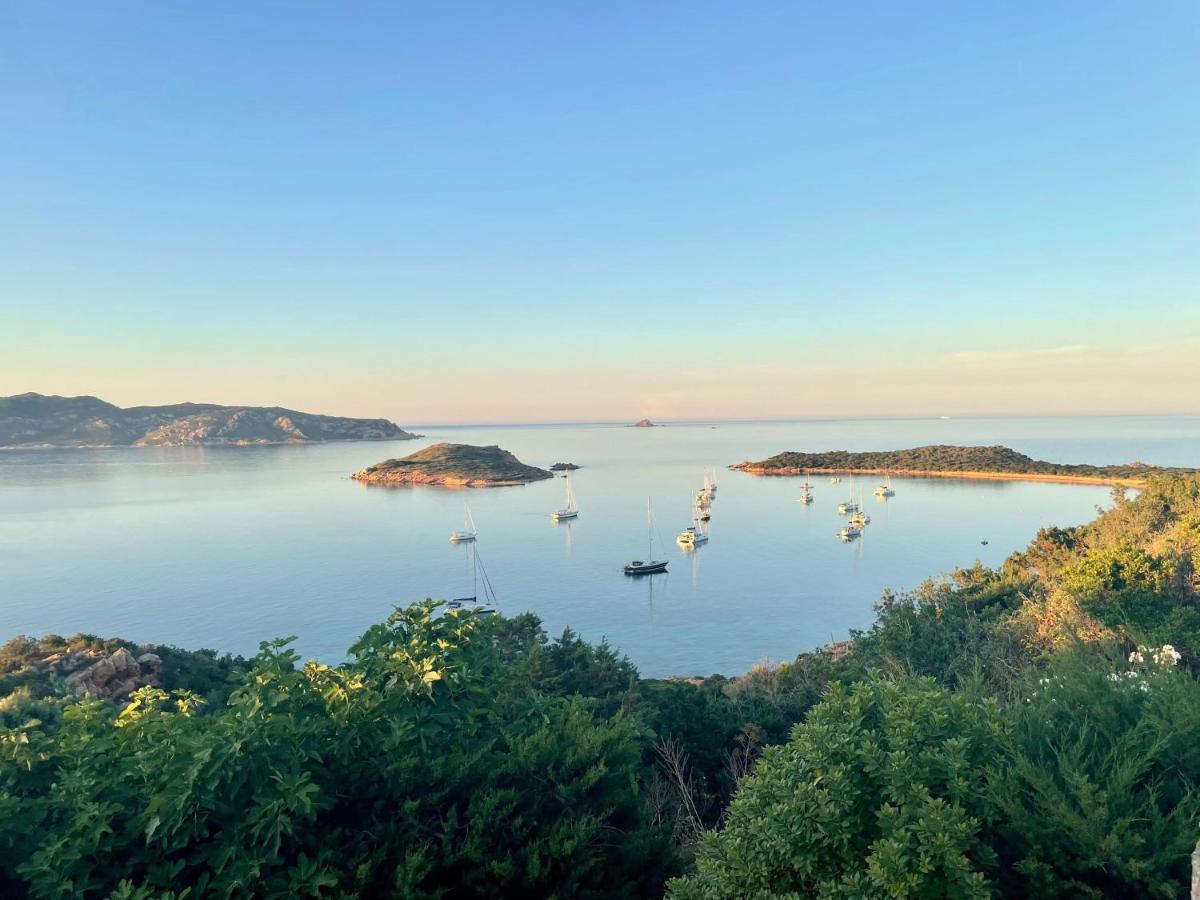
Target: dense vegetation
[(454, 464), (1029, 731), (941, 458)]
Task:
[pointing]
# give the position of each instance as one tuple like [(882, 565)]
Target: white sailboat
[(885, 489), (694, 535), (649, 565), (805, 492), (849, 506), (571, 510), (467, 534), (860, 518), (850, 532)]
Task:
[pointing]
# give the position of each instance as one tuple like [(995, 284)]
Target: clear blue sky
[(493, 211)]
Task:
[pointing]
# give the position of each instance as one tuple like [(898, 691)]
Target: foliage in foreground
[(424, 768), (994, 732), (1084, 785)]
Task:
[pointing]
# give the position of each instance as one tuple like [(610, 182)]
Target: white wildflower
[(1168, 656)]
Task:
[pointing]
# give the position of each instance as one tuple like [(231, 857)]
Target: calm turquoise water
[(227, 547)]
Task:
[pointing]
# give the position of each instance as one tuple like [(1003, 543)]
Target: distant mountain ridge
[(38, 420)]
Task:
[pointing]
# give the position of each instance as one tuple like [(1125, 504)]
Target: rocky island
[(948, 461), (564, 467), (643, 423), (453, 465), (37, 420)]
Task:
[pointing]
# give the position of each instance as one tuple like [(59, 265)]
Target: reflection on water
[(225, 547)]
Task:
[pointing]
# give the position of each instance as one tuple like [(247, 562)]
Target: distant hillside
[(949, 461), (455, 465), (35, 420)]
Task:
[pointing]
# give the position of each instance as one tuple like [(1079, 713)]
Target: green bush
[(425, 767), (1096, 790), (880, 793)]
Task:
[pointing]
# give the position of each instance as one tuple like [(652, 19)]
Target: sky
[(509, 212)]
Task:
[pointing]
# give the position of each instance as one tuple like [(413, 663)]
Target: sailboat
[(473, 604), (860, 518), (885, 489), (693, 535), (851, 505), (649, 565), (571, 510), (805, 492), (850, 532), (467, 534)]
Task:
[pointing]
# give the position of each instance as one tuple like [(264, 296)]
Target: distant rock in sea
[(563, 467), (453, 465), (36, 420), (643, 423)]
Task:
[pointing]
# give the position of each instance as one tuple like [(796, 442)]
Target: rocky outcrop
[(453, 465), (34, 420), (643, 423), (563, 467), (114, 676)]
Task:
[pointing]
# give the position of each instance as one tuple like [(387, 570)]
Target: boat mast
[(649, 533)]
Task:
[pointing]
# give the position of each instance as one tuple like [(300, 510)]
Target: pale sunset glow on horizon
[(716, 213)]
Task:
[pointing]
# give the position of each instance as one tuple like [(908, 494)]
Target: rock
[(644, 423), (113, 676)]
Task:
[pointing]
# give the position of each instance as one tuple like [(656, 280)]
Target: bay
[(226, 547)]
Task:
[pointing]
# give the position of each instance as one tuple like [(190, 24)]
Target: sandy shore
[(921, 473)]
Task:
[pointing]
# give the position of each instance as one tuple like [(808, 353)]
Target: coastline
[(930, 473), (135, 446), (408, 479)]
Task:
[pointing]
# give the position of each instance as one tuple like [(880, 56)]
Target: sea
[(226, 547)]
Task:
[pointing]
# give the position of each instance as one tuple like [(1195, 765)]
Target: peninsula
[(453, 465), (37, 420), (948, 461)]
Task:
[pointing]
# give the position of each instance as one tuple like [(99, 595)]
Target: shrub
[(880, 793)]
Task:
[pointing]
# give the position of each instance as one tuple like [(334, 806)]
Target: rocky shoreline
[(453, 465), (35, 421)]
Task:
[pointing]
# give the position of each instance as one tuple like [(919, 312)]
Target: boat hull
[(564, 514), (637, 567)]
